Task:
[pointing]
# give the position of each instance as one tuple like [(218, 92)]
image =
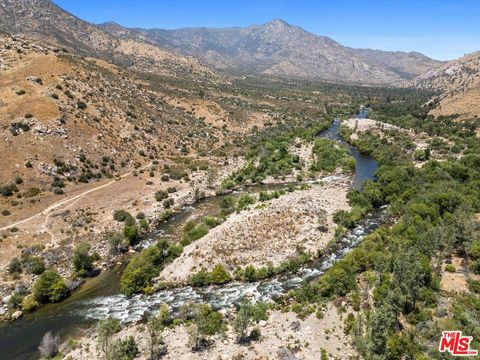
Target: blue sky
[(442, 29)]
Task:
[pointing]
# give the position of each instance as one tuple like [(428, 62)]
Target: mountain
[(43, 20), (278, 48), (459, 84)]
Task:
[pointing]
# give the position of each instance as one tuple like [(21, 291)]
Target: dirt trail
[(49, 211)]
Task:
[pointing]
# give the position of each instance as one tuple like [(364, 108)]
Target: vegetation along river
[(101, 297)]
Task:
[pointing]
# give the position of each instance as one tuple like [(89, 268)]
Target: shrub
[(130, 233), (168, 203), (143, 224), (227, 184), (83, 260), (165, 177), (219, 275), (227, 204), (29, 304), (161, 195), (171, 189), (15, 300), (244, 201), (200, 279), (28, 116), (8, 189), (143, 267), (20, 92), (48, 348), (124, 216), (6, 212), (474, 286), (58, 191), (475, 249), (18, 180), (31, 192), (242, 321), (165, 215), (192, 232), (322, 220), (81, 105), (34, 264), (450, 268), (117, 243), (211, 221), (106, 328), (15, 266), (49, 287), (126, 349)]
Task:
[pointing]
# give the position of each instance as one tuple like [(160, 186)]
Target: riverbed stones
[(6, 299)]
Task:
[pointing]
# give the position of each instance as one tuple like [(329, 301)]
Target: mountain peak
[(277, 23)]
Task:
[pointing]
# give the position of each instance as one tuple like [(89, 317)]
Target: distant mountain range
[(278, 48), (274, 48)]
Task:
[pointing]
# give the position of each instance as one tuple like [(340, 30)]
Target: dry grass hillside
[(459, 84), (81, 119)]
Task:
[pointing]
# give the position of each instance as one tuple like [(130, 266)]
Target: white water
[(129, 309)]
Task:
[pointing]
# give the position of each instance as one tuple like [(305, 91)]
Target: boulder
[(17, 314)]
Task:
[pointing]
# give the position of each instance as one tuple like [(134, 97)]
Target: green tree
[(243, 321), (106, 328), (205, 323), (49, 287), (155, 327)]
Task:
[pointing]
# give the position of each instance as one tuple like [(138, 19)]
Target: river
[(101, 297)]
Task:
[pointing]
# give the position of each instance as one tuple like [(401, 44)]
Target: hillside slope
[(78, 118), (459, 84), (43, 20)]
